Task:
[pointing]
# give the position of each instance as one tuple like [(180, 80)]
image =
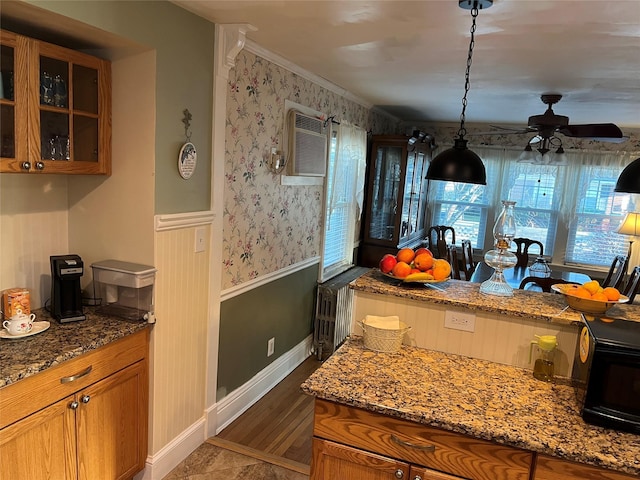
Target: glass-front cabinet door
[(385, 192), (67, 99), (13, 97), (396, 197)]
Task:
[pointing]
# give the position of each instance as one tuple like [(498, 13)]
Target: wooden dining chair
[(615, 276), (632, 287), (468, 265), (543, 283), (437, 238), (452, 258), (522, 250)]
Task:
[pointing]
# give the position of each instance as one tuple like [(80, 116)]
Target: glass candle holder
[(500, 258)]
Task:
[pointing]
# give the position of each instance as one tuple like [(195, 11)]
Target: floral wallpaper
[(268, 226)]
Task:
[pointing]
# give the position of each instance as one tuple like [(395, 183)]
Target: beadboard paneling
[(498, 338), (179, 338)]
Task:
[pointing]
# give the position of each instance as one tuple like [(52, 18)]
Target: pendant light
[(629, 179), (459, 164)]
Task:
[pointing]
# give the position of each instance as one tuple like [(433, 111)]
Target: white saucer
[(38, 327)]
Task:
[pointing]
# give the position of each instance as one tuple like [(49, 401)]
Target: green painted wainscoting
[(283, 308)]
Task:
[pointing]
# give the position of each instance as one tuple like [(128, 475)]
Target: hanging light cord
[(474, 13)]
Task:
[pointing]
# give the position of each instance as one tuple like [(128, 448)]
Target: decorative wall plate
[(187, 160)]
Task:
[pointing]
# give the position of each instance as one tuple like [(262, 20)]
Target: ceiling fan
[(548, 124)]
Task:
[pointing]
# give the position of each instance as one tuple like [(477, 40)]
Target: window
[(344, 189), (598, 213), (533, 188), (571, 209)]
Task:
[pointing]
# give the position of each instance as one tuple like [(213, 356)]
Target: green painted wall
[(249, 320), (184, 46)]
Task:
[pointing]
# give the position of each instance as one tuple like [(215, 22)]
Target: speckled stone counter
[(478, 398), (458, 293), (23, 357)]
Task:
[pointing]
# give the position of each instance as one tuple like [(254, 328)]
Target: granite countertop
[(460, 293), (482, 399), (23, 357)]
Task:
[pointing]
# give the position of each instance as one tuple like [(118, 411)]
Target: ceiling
[(409, 57)]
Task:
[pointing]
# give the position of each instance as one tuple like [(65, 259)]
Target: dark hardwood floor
[(280, 424)]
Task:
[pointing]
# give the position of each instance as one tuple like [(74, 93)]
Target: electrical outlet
[(199, 243), (271, 346), (460, 320)]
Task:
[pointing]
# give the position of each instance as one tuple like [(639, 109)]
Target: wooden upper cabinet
[(55, 109)]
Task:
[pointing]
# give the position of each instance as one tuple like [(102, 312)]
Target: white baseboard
[(159, 465), (223, 413), (238, 401)]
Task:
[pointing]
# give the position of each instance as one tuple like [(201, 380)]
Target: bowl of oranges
[(590, 297), (415, 266)]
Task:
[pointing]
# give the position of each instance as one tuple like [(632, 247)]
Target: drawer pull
[(399, 474), (424, 448), (73, 378)]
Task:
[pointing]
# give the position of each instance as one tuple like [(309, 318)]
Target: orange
[(405, 255), (599, 296), (423, 262), (579, 292), (401, 269), (612, 294), (441, 269), (415, 270), (592, 286), (422, 250)]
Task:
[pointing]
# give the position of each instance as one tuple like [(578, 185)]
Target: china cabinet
[(55, 107), (83, 419), (394, 211)]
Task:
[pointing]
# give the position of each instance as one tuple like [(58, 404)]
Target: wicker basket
[(383, 339)]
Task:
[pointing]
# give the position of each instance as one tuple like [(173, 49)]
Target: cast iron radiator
[(334, 308)]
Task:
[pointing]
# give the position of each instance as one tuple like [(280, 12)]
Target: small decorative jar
[(540, 268)]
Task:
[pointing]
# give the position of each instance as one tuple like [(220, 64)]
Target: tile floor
[(210, 462)]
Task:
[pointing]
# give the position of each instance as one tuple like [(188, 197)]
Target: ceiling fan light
[(629, 179), (559, 158), (527, 155), (458, 164)]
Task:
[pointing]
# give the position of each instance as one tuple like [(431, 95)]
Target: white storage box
[(124, 289)]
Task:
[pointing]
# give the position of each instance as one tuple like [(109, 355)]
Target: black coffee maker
[(66, 294)]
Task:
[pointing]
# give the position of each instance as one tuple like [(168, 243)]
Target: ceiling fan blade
[(604, 132), (504, 131)]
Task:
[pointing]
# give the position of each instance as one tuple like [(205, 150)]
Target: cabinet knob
[(73, 405), (26, 165), (417, 477), (40, 165), (399, 473), (85, 399)]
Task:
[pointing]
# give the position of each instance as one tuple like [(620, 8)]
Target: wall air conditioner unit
[(307, 145)]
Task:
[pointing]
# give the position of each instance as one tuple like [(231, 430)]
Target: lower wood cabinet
[(98, 431), (399, 449), (332, 461), (357, 444), (549, 468)]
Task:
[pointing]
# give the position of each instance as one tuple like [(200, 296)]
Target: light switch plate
[(199, 244), (458, 320)]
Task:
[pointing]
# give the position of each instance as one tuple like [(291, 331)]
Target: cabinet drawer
[(43, 389), (418, 444)]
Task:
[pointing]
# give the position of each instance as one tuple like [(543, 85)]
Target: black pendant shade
[(458, 164), (629, 179)]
